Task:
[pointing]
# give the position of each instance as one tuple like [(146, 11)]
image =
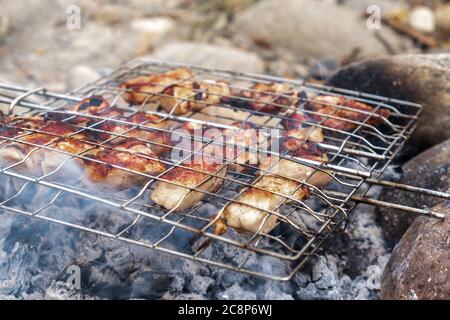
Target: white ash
[(35, 255)]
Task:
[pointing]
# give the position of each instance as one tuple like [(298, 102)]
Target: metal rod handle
[(410, 188), (424, 212), (380, 203)]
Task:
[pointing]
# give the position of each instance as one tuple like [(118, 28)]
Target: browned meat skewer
[(132, 160), (191, 96), (57, 137), (96, 107), (183, 187), (326, 106), (156, 135), (268, 98), (147, 88), (280, 182), (176, 91)]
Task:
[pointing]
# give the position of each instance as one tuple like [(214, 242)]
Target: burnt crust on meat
[(152, 130), (267, 98), (189, 96), (324, 106), (148, 88), (115, 161)]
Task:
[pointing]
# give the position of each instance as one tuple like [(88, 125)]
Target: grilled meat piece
[(147, 88), (178, 191), (189, 96), (30, 123), (123, 164), (176, 91), (14, 125), (329, 106), (250, 214), (155, 133), (95, 106), (234, 142), (295, 127), (238, 141), (280, 176), (57, 137), (6, 130), (294, 170), (294, 121), (312, 134), (268, 98)]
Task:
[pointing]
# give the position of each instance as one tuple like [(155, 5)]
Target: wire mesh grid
[(355, 152)]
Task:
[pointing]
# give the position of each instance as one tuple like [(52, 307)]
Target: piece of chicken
[(148, 88), (25, 123), (156, 135), (123, 164), (182, 187), (329, 106), (56, 137), (243, 144), (6, 129), (294, 170), (268, 193), (95, 106), (7, 132), (265, 97), (295, 127), (282, 176), (189, 96), (235, 143)]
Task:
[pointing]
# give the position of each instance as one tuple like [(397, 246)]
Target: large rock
[(430, 169), (79, 76), (210, 56), (419, 267), (321, 29), (424, 79), (386, 6), (151, 31)]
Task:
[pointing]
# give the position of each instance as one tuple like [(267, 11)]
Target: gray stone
[(79, 76), (430, 169), (313, 28), (210, 56), (419, 266), (109, 14), (386, 6), (156, 4), (151, 31), (423, 79), (237, 4)]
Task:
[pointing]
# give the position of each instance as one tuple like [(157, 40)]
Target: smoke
[(37, 257)]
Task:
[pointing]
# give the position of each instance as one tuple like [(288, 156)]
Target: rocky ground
[(290, 38), (309, 39)]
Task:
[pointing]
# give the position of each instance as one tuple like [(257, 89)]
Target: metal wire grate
[(356, 158)]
